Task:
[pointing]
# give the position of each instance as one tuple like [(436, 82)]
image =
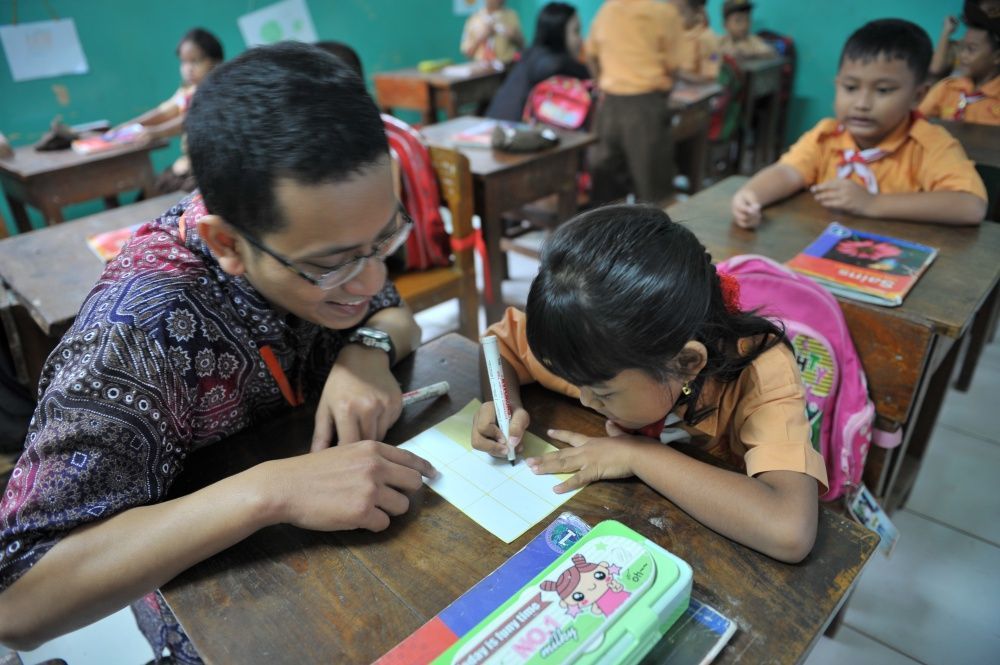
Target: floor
[(935, 601)]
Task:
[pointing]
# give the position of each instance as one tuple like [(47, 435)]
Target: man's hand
[(746, 209), (486, 434), (352, 486), (590, 458), (845, 195), (361, 399)]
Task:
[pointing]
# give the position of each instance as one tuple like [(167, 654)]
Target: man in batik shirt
[(242, 301)]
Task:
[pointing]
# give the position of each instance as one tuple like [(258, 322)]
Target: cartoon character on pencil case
[(588, 585)]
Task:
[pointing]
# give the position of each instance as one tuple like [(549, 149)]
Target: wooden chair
[(426, 288), (404, 92)]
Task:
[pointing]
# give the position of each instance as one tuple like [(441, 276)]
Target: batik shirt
[(163, 358)]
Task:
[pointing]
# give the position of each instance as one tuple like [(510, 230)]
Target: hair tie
[(730, 292)]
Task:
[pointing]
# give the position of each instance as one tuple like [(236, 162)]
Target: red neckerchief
[(965, 100)]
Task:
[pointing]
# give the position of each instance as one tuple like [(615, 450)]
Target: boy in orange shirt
[(701, 59), (974, 97), (877, 158), (738, 41)]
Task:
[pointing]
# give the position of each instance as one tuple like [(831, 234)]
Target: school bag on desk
[(560, 101), (428, 244), (839, 410)]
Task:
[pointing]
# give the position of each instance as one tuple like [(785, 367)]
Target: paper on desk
[(505, 500)]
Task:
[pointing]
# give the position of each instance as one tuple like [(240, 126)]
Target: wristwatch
[(374, 338)]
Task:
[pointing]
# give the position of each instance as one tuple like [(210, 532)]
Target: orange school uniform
[(981, 106), (759, 422), (919, 157), (700, 53)]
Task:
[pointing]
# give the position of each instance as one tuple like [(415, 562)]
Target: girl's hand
[(590, 458), (846, 195), (486, 434)]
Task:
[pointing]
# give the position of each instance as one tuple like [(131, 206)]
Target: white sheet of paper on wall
[(505, 500), (43, 49), (289, 19), (466, 7)]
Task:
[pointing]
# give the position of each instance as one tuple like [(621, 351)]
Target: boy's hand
[(361, 399), (949, 26), (590, 458), (846, 195), (746, 209), (486, 434)]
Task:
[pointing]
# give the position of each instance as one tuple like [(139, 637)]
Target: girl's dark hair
[(206, 41), (624, 287), (550, 30)]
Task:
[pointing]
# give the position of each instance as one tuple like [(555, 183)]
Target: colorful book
[(109, 140), (109, 244), (695, 639), (864, 266), (479, 135)]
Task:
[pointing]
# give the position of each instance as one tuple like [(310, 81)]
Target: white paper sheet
[(42, 49), (505, 500), (289, 19)]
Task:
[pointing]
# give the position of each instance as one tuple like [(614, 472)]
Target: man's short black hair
[(895, 39), (289, 110)]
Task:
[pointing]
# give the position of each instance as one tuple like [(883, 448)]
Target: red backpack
[(428, 244), (560, 101)]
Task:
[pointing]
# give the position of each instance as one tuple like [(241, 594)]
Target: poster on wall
[(289, 19), (43, 49), (465, 7)]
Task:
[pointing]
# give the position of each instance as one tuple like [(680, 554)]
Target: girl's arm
[(101, 567), (166, 129), (156, 116)]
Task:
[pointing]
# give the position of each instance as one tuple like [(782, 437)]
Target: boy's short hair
[(345, 53), (894, 38), (289, 110), (734, 7), (976, 17)]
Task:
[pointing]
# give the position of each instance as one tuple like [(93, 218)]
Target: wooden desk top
[(52, 270), (28, 162), (754, 65), (485, 162), (440, 79), (300, 596), (946, 297), (686, 95), (981, 142)]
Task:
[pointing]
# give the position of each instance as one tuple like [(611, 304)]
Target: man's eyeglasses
[(345, 272)]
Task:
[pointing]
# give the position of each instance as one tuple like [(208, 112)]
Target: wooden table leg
[(981, 325), (53, 214), (699, 159), (112, 201), (20, 214)]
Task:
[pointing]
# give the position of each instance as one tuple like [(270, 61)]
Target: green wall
[(130, 50)]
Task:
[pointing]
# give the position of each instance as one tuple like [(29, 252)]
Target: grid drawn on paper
[(504, 500)]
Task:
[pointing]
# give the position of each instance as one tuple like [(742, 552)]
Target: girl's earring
[(686, 389)]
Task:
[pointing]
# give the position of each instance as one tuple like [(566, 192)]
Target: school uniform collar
[(890, 143), (964, 84)]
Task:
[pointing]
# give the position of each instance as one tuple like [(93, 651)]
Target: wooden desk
[(435, 91), (763, 84), (506, 181), (907, 352), (981, 142), (285, 595), (690, 109), (49, 272), (51, 180)]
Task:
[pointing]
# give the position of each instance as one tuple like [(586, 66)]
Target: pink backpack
[(428, 244), (837, 403), (560, 101)]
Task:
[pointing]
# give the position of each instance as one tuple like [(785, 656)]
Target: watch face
[(374, 334)]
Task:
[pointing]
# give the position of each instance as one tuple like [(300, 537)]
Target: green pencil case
[(608, 599)]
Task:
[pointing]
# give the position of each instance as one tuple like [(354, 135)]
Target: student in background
[(263, 291), (199, 52), (945, 59), (492, 34), (738, 41), (973, 96), (629, 315), (633, 51), (554, 52), (701, 58), (876, 158)]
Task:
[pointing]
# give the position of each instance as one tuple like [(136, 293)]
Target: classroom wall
[(130, 50), (819, 31)]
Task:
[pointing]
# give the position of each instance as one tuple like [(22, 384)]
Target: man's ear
[(692, 358), (222, 240), (920, 93)]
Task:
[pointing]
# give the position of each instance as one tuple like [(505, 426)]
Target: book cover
[(478, 135), (109, 244), (864, 266), (695, 639), (109, 140)]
